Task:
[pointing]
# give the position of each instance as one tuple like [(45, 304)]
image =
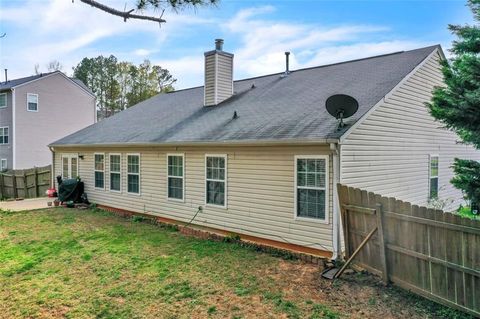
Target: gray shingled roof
[(82, 85), (277, 108), (16, 82)]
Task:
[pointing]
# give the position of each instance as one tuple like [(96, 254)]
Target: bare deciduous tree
[(54, 65)]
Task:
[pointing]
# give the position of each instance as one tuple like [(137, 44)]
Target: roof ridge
[(32, 76), (317, 67)]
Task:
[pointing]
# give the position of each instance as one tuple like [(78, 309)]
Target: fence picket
[(31, 182), (432, 253)]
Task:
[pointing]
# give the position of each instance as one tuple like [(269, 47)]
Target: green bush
[(466, 211)]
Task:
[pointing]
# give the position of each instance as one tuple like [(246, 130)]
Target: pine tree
[(457, 105)]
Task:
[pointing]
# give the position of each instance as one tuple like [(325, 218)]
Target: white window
[(133, 173), (4, 135), (32, 102), (175, 176), (99, 170), (215, 181), (433, 172), (3, 100), (311, 189), (115, 172), (69, 166), (3, 164)]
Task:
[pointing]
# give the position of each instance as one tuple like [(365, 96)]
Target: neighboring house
[(37, 110), (262, 156)]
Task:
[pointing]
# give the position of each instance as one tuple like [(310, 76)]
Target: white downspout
[(52, 176), (335, 148)]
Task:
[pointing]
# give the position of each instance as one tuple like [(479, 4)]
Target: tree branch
[(124, 14)]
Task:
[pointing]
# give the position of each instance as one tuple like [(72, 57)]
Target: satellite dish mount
[(341, 106)]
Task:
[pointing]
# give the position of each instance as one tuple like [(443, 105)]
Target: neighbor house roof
[(10, 84), (269, 108), (16, 82)]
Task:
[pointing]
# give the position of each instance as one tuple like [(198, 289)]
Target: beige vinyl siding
[(389, 152), (6, 120), (63, 108), (225, 77), (210, 80), (218, 78), (260, 195)]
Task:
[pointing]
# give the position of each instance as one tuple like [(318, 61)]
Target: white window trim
[(7, 127), (70, 156), (225, 156), (110, 172), (139, 175), (183, 177), (1, 164), (38, 102), (6, 104), (104, 171), (430, 175), (327, 187)]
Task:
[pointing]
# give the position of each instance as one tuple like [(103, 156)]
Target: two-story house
[(37, 110)]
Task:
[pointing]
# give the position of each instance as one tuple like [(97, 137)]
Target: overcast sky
[(257, 32)]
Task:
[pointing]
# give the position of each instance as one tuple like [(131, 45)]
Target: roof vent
[(287, 63), (218, 75)]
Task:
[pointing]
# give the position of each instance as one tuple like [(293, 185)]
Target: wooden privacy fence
[(27, 183), (429, 252)]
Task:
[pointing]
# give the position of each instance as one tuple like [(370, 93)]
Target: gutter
[(207, 143)]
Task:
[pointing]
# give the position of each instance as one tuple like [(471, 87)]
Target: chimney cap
[(219, 44)]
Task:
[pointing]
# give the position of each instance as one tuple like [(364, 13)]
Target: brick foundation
[(309, 255)]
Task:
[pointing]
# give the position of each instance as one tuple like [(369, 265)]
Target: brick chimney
[(218, 75)]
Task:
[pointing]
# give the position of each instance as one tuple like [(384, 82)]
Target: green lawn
[(70, 263)]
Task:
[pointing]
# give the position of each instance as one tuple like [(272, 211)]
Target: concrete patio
[(26, 204)]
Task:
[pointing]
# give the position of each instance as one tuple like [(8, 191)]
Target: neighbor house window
[(32, 102), (175, 174), (70, 166), (133, 174), (3, 100), (4, 135), (311, 199), (3, 164), (216, 179), (115, 174), (99, 170), (433, 177)]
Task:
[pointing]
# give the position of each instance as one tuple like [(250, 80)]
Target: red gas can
[(51, 192)]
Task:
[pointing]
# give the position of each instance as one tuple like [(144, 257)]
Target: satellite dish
[(341, 106)]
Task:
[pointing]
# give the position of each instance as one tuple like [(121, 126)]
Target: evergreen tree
[(457, 105), (119, 85)]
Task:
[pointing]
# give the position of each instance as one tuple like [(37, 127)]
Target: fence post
[(346, 233), (2, 186), (35, 181), (381, 241), (14, 184), (25, 186)]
